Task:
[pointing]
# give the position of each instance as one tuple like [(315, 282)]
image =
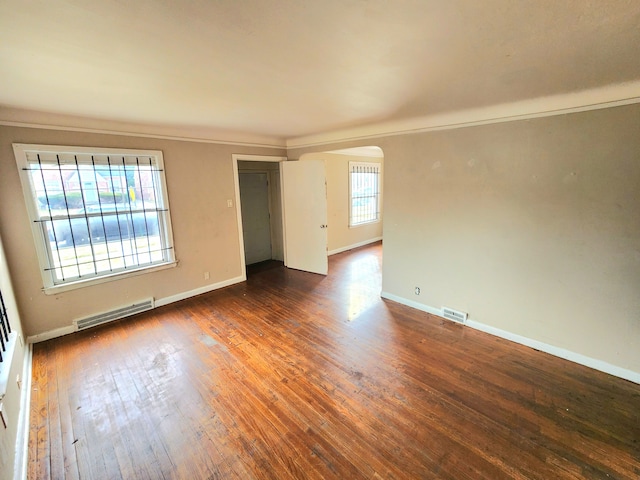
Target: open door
[(304, 197)]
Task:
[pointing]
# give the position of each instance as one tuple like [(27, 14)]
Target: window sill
[(55, 289), (364, 224)]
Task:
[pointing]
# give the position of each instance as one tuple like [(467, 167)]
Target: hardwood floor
[(293, 375)]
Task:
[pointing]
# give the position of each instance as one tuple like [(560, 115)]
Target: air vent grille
[(454, 315), (112, 315)]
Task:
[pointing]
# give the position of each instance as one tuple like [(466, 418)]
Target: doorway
[(344, 201), (259, 208), (289, 228), (290, 197), (256, 216)]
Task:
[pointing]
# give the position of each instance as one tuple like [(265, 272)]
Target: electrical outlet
[(206, 275), (417, 290), (229, 203)]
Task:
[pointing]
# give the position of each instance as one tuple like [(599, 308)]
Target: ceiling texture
[(273, 71)]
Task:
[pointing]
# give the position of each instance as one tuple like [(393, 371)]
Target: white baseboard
[(199, 291), (22, 439), (55, 333), (529, 342), (412, 304), (59, 332), (355, 245)]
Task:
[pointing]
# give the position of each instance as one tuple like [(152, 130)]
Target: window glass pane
[(99, 214), (364, 187)]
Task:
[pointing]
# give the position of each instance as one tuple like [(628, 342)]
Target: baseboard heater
[(112, 315)]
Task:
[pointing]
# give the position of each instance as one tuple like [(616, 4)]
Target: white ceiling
[(281, 69)]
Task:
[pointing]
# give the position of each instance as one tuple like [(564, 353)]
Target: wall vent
[(454, 315), (112, 315)]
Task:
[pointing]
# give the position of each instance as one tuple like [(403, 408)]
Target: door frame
[(236, 157)]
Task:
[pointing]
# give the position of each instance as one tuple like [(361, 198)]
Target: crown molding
[(585, 100), (16, 117), (367, 151)]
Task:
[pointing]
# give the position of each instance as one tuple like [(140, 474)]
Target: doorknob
[(324, 226)]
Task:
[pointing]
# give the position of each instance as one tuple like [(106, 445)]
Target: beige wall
[(532, 227), (11, 402), (339, 235), (199, 181)]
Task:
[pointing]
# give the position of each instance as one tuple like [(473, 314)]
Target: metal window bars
[(5, 329), (99, 217), (365, 193)]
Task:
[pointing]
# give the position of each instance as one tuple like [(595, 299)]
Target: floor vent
[(112, 315), (454, 315)]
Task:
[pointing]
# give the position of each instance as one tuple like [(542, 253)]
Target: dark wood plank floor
[(293, 375)]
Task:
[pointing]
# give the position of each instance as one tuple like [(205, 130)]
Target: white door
[(304, 197), (256, 227)]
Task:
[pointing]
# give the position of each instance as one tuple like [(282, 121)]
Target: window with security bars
[(364, 189), (95, 212), (5, 330)]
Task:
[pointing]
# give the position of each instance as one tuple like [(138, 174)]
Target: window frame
[(378, 193), (50, 285)]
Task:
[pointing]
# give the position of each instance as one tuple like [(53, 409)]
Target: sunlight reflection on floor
[(364, 285)]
